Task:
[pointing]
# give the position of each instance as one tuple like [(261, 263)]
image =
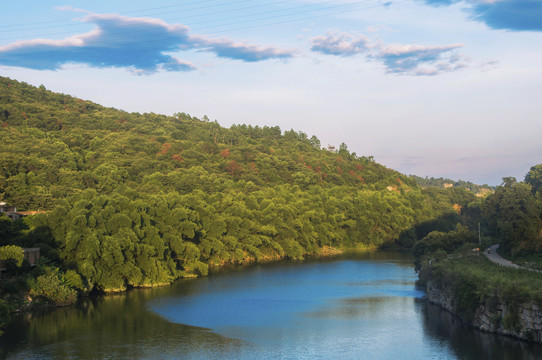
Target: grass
[(531, 260), (477, 281)]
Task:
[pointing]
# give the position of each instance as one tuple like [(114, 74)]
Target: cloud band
[(143, 45)]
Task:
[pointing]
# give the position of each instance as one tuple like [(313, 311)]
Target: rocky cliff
[(523, 320)]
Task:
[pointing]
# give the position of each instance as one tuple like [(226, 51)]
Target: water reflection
[(365, 308), (443, 328), (116, 326), (354, 306)]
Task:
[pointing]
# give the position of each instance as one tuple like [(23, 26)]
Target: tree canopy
[(142, 199)]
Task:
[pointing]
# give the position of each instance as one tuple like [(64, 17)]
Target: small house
[(12, 213), (9, 211)]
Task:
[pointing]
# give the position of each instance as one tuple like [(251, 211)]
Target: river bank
[(26, 303), (333, 307), (486, 296)]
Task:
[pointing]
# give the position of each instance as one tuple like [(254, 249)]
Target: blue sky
[(428, 87)]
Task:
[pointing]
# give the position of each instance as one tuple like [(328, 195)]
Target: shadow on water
[(121, 326), (468, 343), (116, 326), (348, 306)]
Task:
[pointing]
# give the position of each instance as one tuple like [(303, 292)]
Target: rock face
[(523, 321)]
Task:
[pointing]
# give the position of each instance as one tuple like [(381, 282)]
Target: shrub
[(467, 298), (51, 288), (73, 280)]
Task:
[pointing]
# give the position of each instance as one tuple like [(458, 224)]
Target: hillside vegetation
[(143, 199), (448, 266)]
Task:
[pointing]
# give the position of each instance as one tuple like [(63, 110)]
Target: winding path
[(492, 255)]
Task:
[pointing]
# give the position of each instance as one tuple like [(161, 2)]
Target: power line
[(127, 35), (215, 6), (297, 10), (145, 13), (289, 14), (341, 9), (18, 28), (126, 12), (71, 24), (226, 21)]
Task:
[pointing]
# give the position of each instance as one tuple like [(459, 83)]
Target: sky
[(438, 88)]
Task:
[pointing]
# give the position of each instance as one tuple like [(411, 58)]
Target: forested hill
[(67, 144), (142, 199)]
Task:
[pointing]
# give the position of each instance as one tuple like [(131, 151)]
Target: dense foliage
[(142, 199), (512, 216), (137, 200)]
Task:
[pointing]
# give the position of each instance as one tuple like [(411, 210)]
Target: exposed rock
[(523, 321)]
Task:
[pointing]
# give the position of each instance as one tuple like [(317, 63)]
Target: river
[(352, 306)]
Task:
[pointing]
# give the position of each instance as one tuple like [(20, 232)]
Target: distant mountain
[(479, 190)]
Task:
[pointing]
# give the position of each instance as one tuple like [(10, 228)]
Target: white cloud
[(405, 59), (139, 44), (341, 44)]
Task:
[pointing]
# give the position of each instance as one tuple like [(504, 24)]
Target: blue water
[(356, 306), (312, 301)]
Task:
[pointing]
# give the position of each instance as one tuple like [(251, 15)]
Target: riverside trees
[(142, 199), (514, 214)]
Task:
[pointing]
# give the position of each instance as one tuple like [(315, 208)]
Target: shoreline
[(326, 251), (474, 296)]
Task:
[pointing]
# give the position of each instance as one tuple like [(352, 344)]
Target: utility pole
[(479, 235)]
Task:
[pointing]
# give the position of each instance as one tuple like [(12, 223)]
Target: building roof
[(32, 212)]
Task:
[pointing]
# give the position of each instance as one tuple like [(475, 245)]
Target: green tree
[(12, 252), (534, 178), (513, 215), (53, 288)]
